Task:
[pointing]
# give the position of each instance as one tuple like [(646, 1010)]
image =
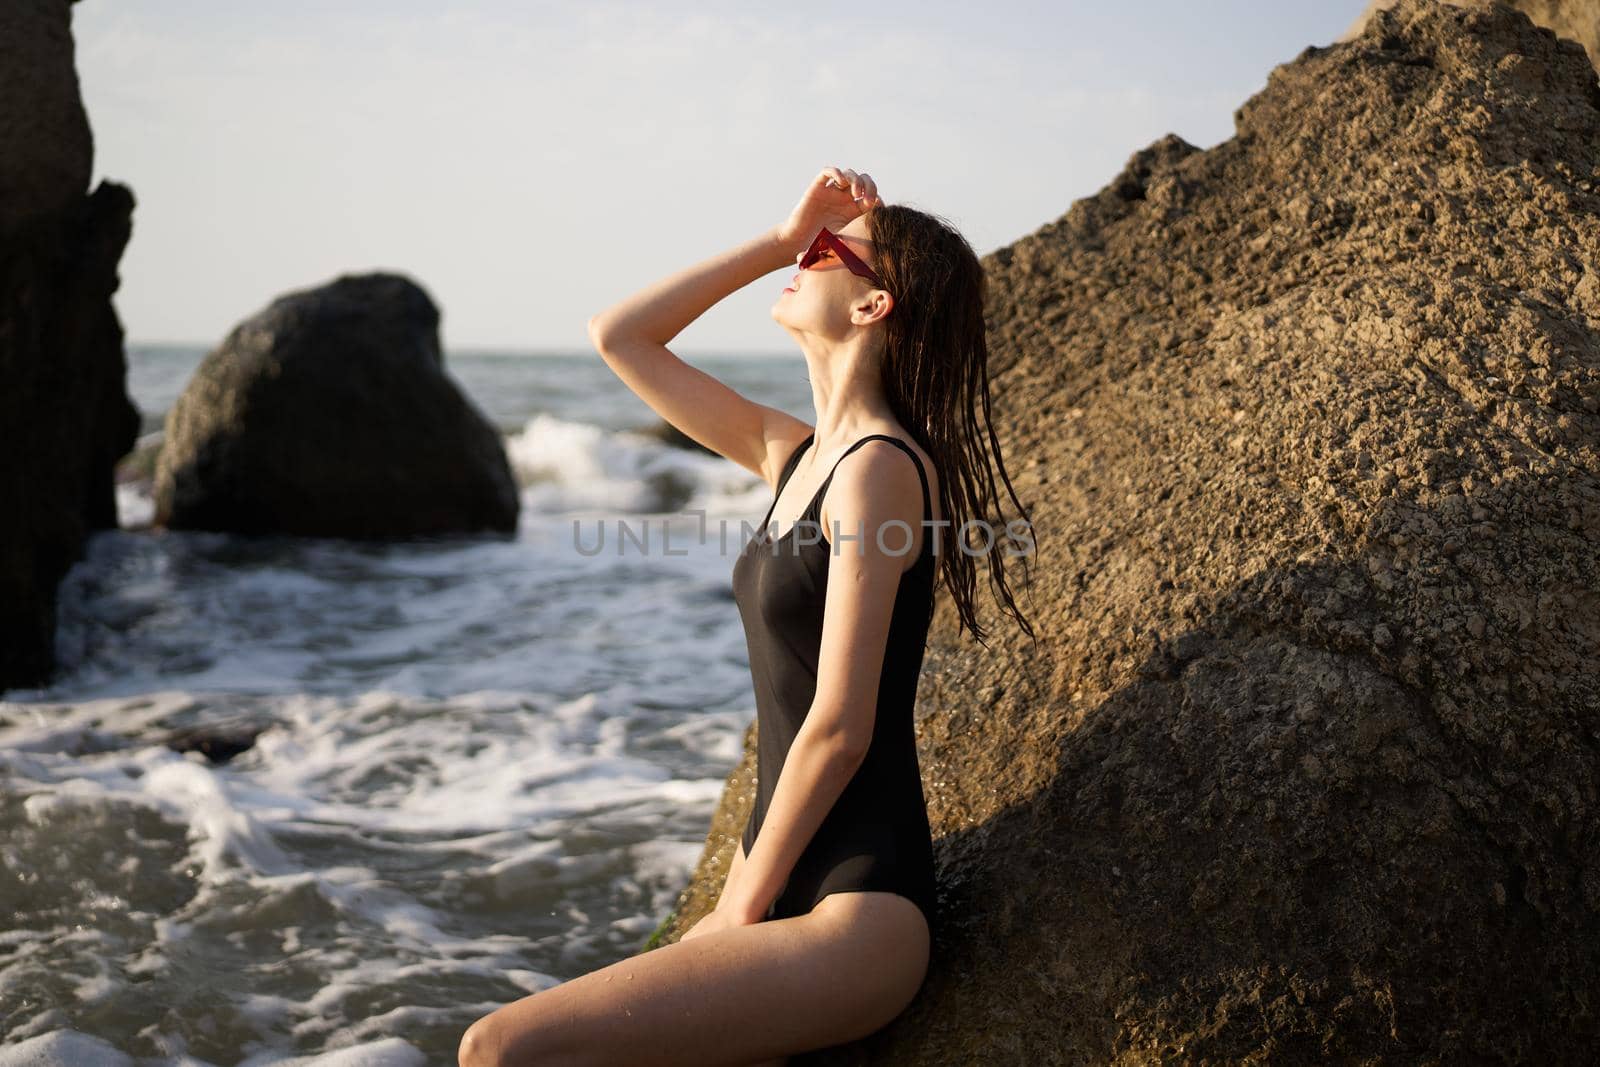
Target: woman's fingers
[(844, 178), (863, 190)]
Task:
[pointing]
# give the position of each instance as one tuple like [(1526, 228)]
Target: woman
[(822, 931)]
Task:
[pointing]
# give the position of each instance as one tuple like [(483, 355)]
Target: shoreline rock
[(1304, 766), (1576, 20), (64, 399), (330, 414)]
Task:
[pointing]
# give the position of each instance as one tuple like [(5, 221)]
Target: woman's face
[(823, 298)]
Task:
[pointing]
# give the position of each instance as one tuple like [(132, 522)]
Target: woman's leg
[(744, 996)]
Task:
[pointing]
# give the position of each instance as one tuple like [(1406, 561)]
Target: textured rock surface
[(1575, 19), (46, 150), (64, 408), (1305, 767), (329, 414)]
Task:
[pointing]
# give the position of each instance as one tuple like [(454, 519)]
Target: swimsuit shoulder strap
[(783, 476), (927, 506), (794, 461)]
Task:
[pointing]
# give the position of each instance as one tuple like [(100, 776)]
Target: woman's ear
[(874, 306)]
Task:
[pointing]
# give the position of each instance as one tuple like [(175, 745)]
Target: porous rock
[(1577, 20), (1305, 765)]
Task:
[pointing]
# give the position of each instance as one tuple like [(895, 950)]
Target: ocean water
[(480, 767)]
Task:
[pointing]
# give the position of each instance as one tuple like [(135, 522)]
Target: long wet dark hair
[(936, 378)]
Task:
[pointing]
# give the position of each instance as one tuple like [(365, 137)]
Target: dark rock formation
[(64, 408), (1306, 765), (329, 414)]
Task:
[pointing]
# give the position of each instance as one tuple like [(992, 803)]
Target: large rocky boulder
[(1577, 20), (64, 408), (1305, 767), (329, 414)]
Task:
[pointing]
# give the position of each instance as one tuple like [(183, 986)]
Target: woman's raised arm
[(632, 337)]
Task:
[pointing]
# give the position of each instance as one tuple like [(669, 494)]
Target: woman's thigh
[(737, 996)]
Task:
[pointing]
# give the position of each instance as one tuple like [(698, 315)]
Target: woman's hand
[(717, 919), (834, 197)]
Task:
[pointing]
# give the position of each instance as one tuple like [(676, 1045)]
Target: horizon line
[(504, 350)]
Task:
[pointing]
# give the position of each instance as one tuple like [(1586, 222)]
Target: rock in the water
[(668, 434), (1305, 767), (218, 743), (329, 414), (64, 408)]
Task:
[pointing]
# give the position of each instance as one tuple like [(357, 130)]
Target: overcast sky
[(531, 163)]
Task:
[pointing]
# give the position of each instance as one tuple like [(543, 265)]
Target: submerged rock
[(218, 743), (64, 406), (1305, 766), (329, 414)]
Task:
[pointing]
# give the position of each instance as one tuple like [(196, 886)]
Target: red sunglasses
[(827, 240)]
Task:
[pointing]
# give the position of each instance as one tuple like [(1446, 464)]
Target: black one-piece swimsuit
[(876, 836)]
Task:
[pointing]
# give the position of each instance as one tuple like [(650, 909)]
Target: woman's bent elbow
[(476, 1048), (498, 1041)]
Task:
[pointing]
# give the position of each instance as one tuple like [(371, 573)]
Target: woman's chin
[(788, 327)]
